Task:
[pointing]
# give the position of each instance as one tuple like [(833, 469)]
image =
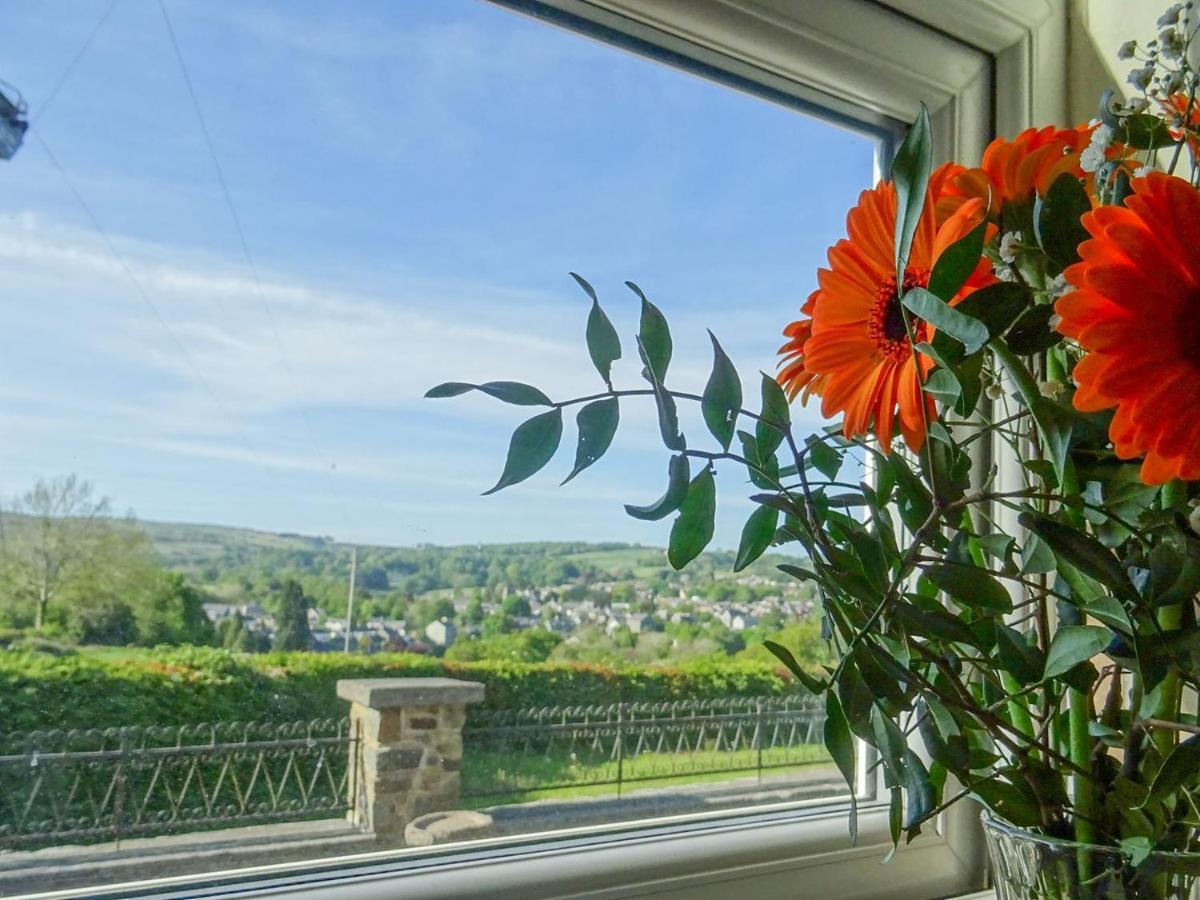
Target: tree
[(531, 645), (427, 610), (50, 537), (498, 622), (173, 614), (291, 631), (475, 612), (374, 578), (516, 606)]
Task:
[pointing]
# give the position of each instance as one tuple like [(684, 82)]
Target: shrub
[(178, 685)]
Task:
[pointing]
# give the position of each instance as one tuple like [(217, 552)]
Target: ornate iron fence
[(92, 785), (511, 753)]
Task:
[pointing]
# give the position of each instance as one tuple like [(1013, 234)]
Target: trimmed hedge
[(172, 686)]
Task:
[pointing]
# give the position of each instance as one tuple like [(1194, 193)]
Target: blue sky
[(414, 181)]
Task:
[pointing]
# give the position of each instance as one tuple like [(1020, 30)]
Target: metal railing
[(512, 754), (59, 787)]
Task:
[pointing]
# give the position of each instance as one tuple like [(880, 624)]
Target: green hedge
[(166, 686)]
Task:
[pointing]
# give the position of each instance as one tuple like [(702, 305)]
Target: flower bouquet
[(1010, 590)]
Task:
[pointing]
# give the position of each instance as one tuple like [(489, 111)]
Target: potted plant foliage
[(1026, 637)]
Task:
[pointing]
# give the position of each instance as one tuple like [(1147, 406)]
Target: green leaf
[(757, 535), (935, 624), (722, 397), (824, 458), (764, 473), (1008, 801), (1057, 220), (1031, 333), (1054, 424), (1138, 848), (964, 385), (654, 335), (693, 528), (967, 330), (774, 418), (840, 744), (448, 389), (678, 475), (970, 587), (1036, 557), (1017, 656), (784, 655), (1072, 645), (533, 445), (668, 416), (604, 345), (918, 791), (911, 168), (997, 306), (956, 263), (914, 500), (597, 423), (1082, 551), (509, 391), (1180, 769)]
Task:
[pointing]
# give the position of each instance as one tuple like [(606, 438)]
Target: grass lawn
[(512, 778)]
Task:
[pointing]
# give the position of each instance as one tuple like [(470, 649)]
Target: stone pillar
[(409, 751)]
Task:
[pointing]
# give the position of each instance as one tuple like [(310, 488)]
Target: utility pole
[(350, 599)]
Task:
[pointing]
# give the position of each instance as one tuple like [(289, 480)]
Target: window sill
[(763, 854)]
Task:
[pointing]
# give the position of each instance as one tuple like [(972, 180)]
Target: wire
[(237, 224), (146, 298), (323, 458), (67, 72)]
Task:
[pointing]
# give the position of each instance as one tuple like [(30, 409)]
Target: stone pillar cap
[(388, 693)]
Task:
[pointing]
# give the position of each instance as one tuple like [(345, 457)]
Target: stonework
[(409, 749)]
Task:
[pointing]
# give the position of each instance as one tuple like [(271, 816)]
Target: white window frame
[(982, 67)]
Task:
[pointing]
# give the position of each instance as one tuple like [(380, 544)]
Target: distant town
[(71, 573)]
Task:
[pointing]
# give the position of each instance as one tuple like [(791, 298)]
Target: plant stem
[(1081, 755), (1170, 691)]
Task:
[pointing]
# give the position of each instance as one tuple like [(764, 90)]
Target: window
[(302, 218)]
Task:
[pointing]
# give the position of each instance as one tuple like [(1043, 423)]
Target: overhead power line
[(79, 55), (238, 229), (147, 300)]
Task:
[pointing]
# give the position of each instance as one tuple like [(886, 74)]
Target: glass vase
[(1029, 866)]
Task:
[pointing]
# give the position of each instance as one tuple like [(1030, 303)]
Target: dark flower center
[(886, 323)]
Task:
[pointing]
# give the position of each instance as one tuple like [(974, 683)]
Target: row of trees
[(71, 569)]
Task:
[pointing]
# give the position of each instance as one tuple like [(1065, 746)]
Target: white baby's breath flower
[(994, 391), (1051, 389), (1009, 244), (1091, 159), (1057, 287), (1126, 50), (1171, 16), (1141, 78), (1005, 273), (1101, 137), (1172, 43)]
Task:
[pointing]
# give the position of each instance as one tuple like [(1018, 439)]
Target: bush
[(178, 685)]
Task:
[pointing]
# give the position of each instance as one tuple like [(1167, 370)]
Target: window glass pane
[(239, 244)]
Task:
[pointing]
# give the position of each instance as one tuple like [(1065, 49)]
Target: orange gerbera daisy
[(1136, 313), (1176, 107), (853, 350), (1013, 171)]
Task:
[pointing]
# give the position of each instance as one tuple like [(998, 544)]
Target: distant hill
[(183, 544)]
